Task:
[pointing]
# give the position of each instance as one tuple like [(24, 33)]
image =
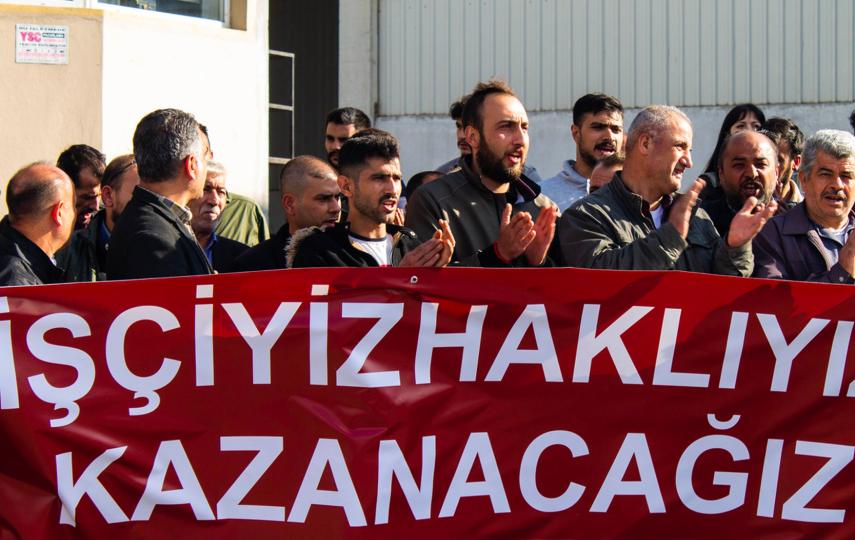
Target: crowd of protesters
[(771, 203)]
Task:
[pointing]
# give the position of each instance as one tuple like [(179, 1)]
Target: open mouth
[(390, 205), (515, 158), (750, 189), (606, 148)]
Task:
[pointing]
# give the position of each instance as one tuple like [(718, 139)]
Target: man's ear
[(59, 212), (646, 143), (345, 184), (107, 196), (473, 138), (288, 204), (191, 166), (797, 161), (574, 132)]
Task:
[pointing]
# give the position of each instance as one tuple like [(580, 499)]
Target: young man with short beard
[(496, 213), (597, 131), (371, 179)]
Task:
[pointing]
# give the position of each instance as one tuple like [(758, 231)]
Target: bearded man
[(497, 215), (597, 132), (748, 166)]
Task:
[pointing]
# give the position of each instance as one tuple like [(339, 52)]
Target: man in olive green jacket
[(637, 221)]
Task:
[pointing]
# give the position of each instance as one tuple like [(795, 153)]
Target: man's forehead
[(754, 147), (610, 118), (378, 165), (340, 130), (504, 107), (315, 186), (215, 180), (826, 159)]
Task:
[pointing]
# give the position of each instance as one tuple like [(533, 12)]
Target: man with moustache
[(371, 179), (790, 144), (597, 130), (456, 114), (85, 256), (207, 209), (85, 166), (496, 213), (635, 222), (814, 240), (747, 167)]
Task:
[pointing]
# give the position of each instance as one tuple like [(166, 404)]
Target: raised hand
[(444, 235), (427, 254), (748, 221), (515, 234), (544, 229), (681, 211)]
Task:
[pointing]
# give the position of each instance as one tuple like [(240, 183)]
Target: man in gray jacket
[(637, 221)]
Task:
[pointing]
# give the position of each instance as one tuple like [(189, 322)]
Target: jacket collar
[(634, 201), (38, 261), (797, 222)]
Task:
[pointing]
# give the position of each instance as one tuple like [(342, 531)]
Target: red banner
[(456, 403)]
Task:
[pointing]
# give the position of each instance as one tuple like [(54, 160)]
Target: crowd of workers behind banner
[(771, 203)]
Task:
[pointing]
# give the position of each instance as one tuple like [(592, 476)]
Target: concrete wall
[(217, 74), (45, 108), (124, 63), (357, 49), (428, 141), (682, 52)]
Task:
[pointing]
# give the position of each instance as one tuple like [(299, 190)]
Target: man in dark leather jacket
[(40, 198)]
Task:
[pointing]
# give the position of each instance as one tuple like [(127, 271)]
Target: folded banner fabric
[(452, 403)]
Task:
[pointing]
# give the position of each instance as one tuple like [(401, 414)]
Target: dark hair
[(116, 169), (735, 115), (366, 144), (852, 119), (456, 109), (788, 131), (77, 157), (595, 103), (162, 140), (29, 193), (416, 182), (472, 108), (348, 115)]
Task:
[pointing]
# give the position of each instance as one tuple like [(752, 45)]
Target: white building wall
[(679, 52), (217, 74)]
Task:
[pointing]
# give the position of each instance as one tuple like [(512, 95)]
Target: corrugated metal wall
[(680, 52)]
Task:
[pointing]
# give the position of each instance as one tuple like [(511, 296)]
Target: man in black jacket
[(84, 258), (497, 214), (310, 198), (371, 180), (40, 198), (153, 237)]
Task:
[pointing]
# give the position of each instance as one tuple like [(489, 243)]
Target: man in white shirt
[(371, 180)]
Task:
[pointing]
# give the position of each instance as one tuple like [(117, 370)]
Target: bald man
[(310, 198), (747, 167), (40, 198)]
